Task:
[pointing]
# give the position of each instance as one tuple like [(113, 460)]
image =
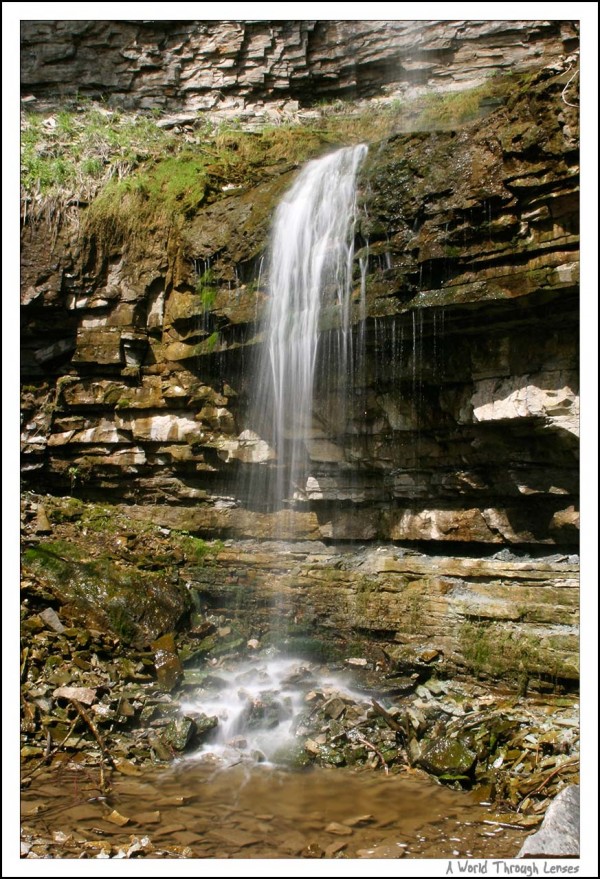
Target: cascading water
[(261, 705), (310, 282)]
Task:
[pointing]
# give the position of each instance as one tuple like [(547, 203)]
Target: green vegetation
[(450, 109), (78, 151), (197, 550), (205, 289), (210, 344), (126, 599), (139, 176), (140, 179)]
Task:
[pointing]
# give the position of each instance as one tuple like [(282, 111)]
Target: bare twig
[(376, 751), (23, 673), (50, 752), (94, 730), (548, 778)]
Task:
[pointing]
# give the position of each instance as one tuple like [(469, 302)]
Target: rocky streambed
[(130, 681)]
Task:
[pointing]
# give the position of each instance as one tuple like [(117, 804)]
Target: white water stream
[(310, 282)]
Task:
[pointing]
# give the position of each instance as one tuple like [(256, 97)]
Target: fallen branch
[(548, 778), (376, 750), (389, 718)]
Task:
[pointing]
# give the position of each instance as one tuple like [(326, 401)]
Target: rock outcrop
[(127, 569), (190, 66)]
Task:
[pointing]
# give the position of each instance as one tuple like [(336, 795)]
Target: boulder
[(558, 837)]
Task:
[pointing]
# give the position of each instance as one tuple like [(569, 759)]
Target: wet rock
[(180, 733), (447, 757), (312, 747), (299, 676), (334, 707), (126, 599), (86, 695), (331, 756), (558, 837), (436, 687), (264, 712), (42, 525), (169, 670), (116, 818), (338, 829), (429, 655), (204, 725), (313, 850), (295, 756), (390, 851)]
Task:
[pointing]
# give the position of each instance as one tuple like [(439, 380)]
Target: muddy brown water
[(264, 812)]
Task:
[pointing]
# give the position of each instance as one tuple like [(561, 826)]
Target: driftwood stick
[(504, 824)]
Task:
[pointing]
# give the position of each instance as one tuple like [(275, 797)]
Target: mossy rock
[(136, 605), (447, 758)]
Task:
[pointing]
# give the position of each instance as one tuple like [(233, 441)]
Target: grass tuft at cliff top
[(135, 174)]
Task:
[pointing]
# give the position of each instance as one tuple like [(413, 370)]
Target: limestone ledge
[(493, 615), (508, 524)]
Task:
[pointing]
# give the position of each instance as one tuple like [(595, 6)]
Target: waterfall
[(310, 284)]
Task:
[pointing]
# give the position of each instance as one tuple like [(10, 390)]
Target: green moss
[(130, 602), (68, 509), (209, 345), (491, 650), (456, 108), (197, 550)]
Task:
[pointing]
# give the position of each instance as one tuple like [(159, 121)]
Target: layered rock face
[(463, 422), (460, 436), (199, 65)]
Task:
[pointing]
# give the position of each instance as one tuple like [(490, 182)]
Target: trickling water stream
[(259, 706)]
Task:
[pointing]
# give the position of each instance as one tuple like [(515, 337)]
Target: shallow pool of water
[(256, 811)]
